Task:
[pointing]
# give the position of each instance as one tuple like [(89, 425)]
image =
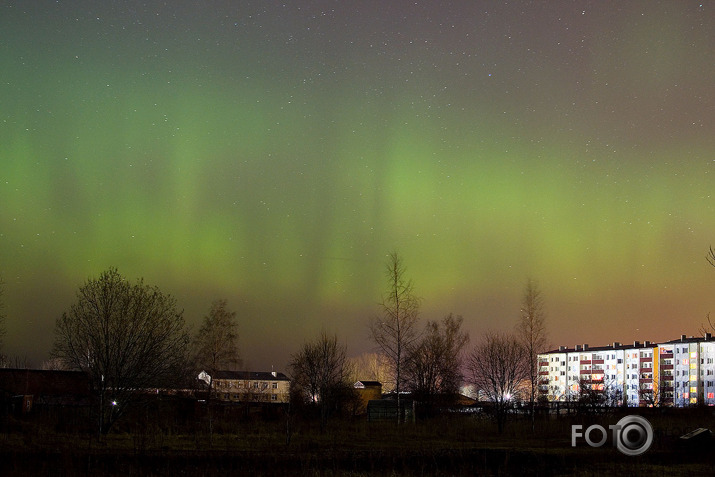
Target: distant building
[(386, 409), (367, 391), (251, 386), (24, 389), (678, 373)]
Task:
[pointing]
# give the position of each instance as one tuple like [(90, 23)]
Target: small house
[(367, 391)]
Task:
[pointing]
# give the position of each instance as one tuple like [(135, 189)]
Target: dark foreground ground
[(454, 445)]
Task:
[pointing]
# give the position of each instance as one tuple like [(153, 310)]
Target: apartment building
[(674, 373), (694, 370)]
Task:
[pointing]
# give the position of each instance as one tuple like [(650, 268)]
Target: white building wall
[(678, 373), (557, 375), (614, 374), (707, 372), (631, 372)]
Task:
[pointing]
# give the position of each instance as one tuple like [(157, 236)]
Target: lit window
[(711, 395)]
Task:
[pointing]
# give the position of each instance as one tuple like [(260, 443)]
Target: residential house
[(251, 386), (367, 391), (22, 390)]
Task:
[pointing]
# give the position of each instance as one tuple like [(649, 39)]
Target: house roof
[(251, 375), (367, 383)]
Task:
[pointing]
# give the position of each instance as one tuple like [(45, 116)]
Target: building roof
[(251, 375), (691, 339), (615, 346), (367, 384), (636, 344)]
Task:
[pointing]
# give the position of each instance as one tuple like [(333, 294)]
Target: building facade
[(367, 391), (678, 373), (251, 386)]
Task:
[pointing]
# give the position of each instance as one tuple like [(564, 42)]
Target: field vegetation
[(170, 438)]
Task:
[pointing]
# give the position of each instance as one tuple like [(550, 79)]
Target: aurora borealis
[(273, 154)]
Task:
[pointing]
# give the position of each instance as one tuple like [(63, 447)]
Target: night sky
[(274, 154)]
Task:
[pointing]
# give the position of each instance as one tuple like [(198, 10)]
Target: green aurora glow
[(273, 155)]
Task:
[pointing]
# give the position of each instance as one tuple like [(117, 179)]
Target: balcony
[(666, 366)]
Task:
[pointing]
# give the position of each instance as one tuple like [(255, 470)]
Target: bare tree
[(531, 330), (710, 257), (321, 373), (660, 393), (372, 367), (497, 370), (2, 319), (393, 330), (128, 338), (215, 346), (592, 395), (434, 365)]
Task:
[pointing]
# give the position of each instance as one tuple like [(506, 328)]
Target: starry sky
[(273, 154)]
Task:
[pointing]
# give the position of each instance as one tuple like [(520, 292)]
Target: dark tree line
[(433, 366), (215, 346), (502, 367), (131, 337), (126, 337), (320, 375)]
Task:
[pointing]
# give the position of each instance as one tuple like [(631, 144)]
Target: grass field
[(445, 445)]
